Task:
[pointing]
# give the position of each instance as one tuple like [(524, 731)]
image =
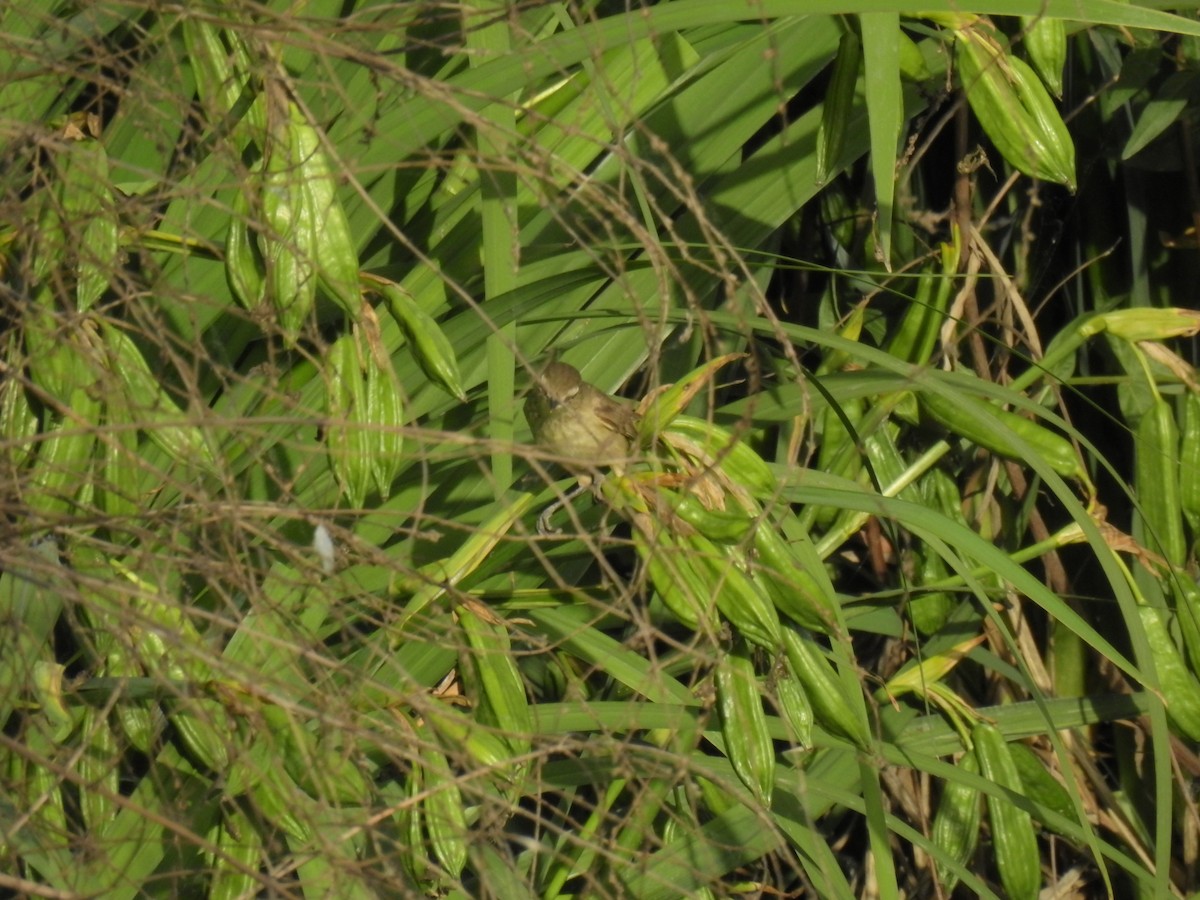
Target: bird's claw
[(543, 523)]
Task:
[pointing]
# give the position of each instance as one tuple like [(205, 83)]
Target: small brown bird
[(577, 421), (581, 425)]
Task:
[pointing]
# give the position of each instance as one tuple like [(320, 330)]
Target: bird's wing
[(619, 417)]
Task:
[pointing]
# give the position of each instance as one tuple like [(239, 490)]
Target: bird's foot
[(543, 523)]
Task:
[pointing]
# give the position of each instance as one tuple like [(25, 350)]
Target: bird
[(582, 426)]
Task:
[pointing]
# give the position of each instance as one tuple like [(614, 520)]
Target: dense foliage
[(896, 594)]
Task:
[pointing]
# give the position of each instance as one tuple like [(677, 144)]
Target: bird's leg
[(543, 522)]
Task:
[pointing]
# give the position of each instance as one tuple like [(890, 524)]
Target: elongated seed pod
[(1189, 463), (1156, 479), (748, 744), (243, 263), (737, 460), (795, 590), (839, 104), (433, 351), (795, 706), (956, 825), (824, 689), (741, 602), (1014, 108), (1046, 44), (679, 586), (1056, 450), (1187, 610), (721, 526), (444, 813), (1013, 838), (1180, 689)]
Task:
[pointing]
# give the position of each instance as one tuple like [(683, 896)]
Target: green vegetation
[(896, 596)]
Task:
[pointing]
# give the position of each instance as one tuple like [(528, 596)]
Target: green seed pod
[(930, 609), (666, 405), (335, 256), (18, 424), (318, 766), (235, 867), (1039, 785), (824, 689), (121, 464), (64, 459), (153, 408), (349, 445), (276, 797), (1058, 452), (98, 250), (1180, 689), (737, 461), (912, 61), (444, 812), (204, 728), (1060, 149), (1014, 108), (839, 105), (721, 526), (1046, 44), (956, 825), (79, 230), (920, 329), (59, 360), (480, 743), (430, 346), (38, 788), (1189, 463), (748, 744), (794, 705), (99, 772), (795, 590), (220, 81), (243, 262), (138, 725), (289, 240), (502, 702), (137, 722), (47, 691), (1013, 838), (839, 455), (410, 827), (916, 337), (1157, 481), (676, 581), (1187, 606), (1145, 323), (383, 422), (741, 602)]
